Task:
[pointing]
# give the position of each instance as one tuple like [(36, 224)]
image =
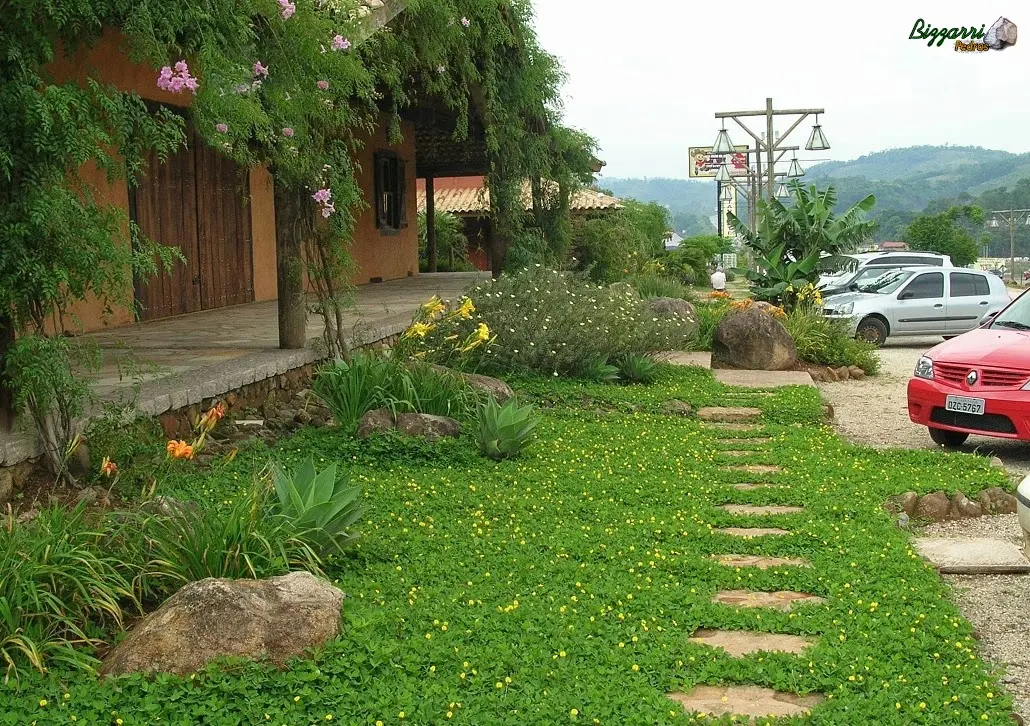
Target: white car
[(883, 260), (924, 300)]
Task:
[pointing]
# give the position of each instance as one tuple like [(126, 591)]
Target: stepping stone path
[(745, 509), (973, 556), (729, 415), (738, 643), (762, 379), (738, 454), (728, 426), (762, 563), (784, 600), (752, 487), (757, 468), (744, 442), (750, 701), (750, 532)]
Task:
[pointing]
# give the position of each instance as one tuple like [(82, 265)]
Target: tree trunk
[(293, 220), (498, 249), (431, 223), (6, 394)]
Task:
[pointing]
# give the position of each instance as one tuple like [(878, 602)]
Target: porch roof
[(476, 201)]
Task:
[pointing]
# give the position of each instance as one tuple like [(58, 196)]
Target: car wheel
[(872, 330), (948, 439)]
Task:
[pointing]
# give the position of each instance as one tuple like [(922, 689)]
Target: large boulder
[(377, 421), (672, 308), (427, 426), (493, 387), (271, 620), (753, 340)]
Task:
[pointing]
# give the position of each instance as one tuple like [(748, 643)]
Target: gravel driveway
[(874, 412)]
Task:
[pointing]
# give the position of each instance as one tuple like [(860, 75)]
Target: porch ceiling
[(437, 152)]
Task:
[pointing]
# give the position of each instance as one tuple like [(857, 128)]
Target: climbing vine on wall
[(290, 84)]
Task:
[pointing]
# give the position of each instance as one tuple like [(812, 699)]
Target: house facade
[(221, 217)]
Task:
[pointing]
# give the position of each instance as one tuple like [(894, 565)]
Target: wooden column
[(431, 222), (292, 219), (6, 394), (498, 248)]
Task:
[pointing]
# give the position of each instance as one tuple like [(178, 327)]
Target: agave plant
[(320, 504), (504, 431), (635, 368)]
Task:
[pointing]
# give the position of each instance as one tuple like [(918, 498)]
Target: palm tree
[(790, 242)]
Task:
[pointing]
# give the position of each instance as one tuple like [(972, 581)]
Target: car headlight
[(924, 368), (845, 309)]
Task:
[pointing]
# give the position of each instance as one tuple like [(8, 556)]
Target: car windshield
[(1016, 316), (886, 283)]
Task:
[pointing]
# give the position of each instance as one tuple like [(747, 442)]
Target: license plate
[(962, 404)]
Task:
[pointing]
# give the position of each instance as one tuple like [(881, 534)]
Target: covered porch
[(168, 364)]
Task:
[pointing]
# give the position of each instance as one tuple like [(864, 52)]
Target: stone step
[(737, 454), (736, 441), (756, 468), (973, 556), (753, 487), (783, 600), (729, 426), (745, 701), (762, 379), (751, 532), (723, 414), (747, 509), (759, 561), (738, 643)]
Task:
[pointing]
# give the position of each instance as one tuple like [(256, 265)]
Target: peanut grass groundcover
[(563, 586)]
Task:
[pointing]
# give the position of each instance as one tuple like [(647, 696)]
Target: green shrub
[(652, 285), (504, 431), (351, 389), (320, 504), (637, 369), (709, 315), (731, 276), (545, 322), (59, 588), (246, 540), (828, 342), (600, 370)]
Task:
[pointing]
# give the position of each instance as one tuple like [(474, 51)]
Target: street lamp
[(723, 175), (993, 223), (722, 145), (795, 169), (782, 192), (817, 140)]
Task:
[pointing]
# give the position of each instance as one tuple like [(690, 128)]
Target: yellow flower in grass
[(434, 307), (466, 309), (483, 332), (417, 330)]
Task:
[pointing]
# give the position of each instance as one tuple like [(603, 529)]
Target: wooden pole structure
[(292, 219), (431, 222)]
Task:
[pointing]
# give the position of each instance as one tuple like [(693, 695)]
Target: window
[(925, 287), (910, 260), (964, 284), (390, 185)]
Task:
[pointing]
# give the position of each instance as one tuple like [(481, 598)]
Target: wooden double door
[(198, 201)]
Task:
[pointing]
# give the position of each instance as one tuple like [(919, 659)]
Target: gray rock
[(903, 503), (494, 387), (996, 500), (672, 308), (430, 427), (6, 484), (856, 373), (962, 507), (78, 464), (934, 507), (375, 422), (753, 340), (303, 417), (274, 620)]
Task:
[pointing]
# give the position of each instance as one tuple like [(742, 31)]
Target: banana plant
[(505, 431), (320, 504)]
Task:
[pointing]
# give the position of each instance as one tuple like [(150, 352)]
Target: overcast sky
[(646, 77)]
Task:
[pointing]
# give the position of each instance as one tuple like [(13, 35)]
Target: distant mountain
[(905, 182)]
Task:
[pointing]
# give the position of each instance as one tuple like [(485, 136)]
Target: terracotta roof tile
[(477, 200)]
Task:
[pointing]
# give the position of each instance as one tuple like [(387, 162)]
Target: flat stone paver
[(757, 468), (783, 600), (973, 556), (760, 561), (738, 454), (738, 643), (744, 509), (724, 414), (749, 532), (752, 701), (753, 487), (763, 379), (737, 441), (701, 359), (728, 426)]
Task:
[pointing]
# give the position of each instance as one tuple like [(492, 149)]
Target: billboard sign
[(704, 164)]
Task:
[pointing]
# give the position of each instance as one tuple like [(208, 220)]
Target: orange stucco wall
[(375, 254)]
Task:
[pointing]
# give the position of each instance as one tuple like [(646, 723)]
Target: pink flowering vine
[(176, 80), (288, 9), (324, 198), (466, 22), (260, 70), (340, 43), (328, 210), (288, 132), (323, 85), (222, 128)]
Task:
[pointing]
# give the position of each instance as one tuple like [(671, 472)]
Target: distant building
[(893, 246), (673, 241)]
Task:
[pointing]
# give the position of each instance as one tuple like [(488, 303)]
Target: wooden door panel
[(224, 222)]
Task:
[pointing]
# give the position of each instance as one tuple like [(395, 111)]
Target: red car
[(977, 383)]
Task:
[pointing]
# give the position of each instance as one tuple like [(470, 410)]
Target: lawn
[(563, 586)]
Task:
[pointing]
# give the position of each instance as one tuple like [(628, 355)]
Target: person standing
[(719, 280)]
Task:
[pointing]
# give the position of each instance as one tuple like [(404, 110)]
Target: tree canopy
[(948, 233)]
